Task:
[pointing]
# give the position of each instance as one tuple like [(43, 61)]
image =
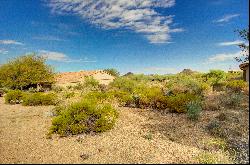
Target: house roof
[(243, 66), (70, 77)]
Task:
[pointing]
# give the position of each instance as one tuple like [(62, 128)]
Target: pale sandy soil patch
[(23, 139)]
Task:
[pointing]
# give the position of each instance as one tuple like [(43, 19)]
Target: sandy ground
[(23, 139)]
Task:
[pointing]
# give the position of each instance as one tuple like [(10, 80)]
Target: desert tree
[(24, 71), (112, 72), (244, 34)]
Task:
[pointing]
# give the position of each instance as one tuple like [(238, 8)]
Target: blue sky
[(141, 36)]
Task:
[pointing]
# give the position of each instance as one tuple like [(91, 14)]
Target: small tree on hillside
[(24, 71), (112, 72), (244, 34), (215, 77)]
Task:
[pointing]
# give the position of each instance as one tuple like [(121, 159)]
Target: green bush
[(123, 98), (178, 103), (124, 84), (193, 110), (236, 85), (90, 82), (83, 117), (68, 95), (187, 84), (150, 97), (99, 96), (78, 86), (33, 99), (14, 97)]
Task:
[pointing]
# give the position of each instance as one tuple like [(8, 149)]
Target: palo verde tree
[(215, 77), (24, 71), (112, 72), (244, 34)]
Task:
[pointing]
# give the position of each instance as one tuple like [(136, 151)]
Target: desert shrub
[(68, 95), (231, 99), (193, 110), (187, 84), (83, 117), (212, 102), (211, 158), (150, 97), (178, 103), (78, 86), (1, 92), (33, 99), (103, 87), (236, 85), (58, 109), (99, 96), (57, 89), (90, 82), (14, 97), (124, 84), (123, 98)]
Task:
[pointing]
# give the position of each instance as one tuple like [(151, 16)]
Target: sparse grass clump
[(193, 110), (68, 95), (231, 99), (14, 97), (84, 117), (34, 99), (212, 158)]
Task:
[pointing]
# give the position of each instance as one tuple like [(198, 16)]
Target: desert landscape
[(124, 82)]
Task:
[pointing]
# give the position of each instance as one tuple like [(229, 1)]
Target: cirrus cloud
[(137, 15), (10, 42), (61, 57), (230, 43), (3, 51), (223, 57), (226, 18)]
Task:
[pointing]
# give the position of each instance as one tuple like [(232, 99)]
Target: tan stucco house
[(71, 78), (245, 68)]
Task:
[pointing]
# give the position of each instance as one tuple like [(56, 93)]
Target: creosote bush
[(236, 85), (14, 97), (84, 117), (178, 103), (33, 99)]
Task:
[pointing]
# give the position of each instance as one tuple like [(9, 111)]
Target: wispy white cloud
[(48, 38), (61, 57), (10, 42), (55, 56), (3, 51), (230, 43), (226, 18), (137, 15), (223, 57)]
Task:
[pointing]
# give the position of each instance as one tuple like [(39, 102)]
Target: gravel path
[(23, 140)]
